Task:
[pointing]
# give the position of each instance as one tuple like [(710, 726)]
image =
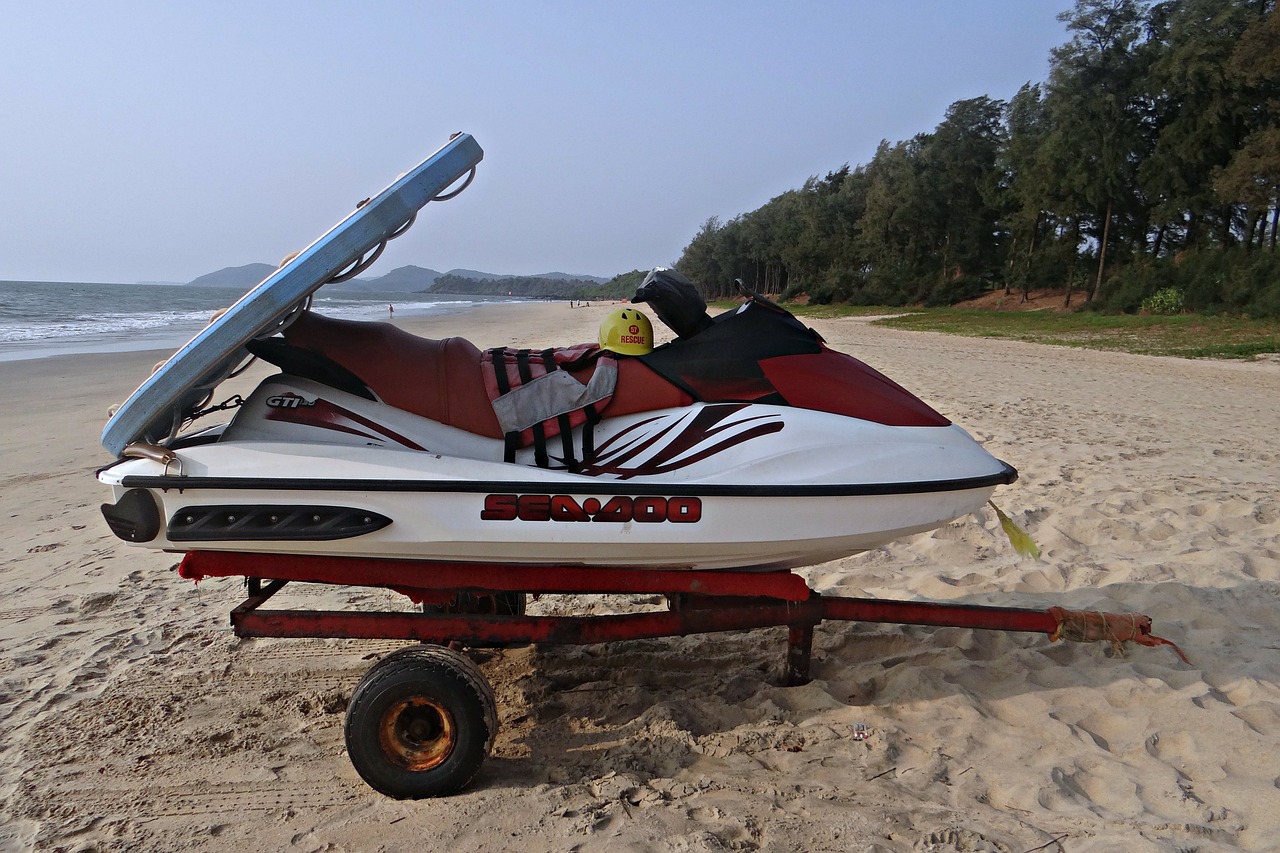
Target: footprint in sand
[(40, 549), (95, 602)]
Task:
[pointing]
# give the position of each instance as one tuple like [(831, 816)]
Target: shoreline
[(91, 340), (133, 718)]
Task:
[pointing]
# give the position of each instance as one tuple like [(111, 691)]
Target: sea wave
[(47, 318), (102, 324)]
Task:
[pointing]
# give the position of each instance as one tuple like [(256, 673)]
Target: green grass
[(1181, 335), (821, 312)]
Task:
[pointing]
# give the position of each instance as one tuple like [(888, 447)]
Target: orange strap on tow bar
[(1115, 628)]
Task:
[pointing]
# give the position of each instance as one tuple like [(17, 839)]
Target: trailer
[(421, 721)]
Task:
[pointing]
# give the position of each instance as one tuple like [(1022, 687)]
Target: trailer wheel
[(420, 723)]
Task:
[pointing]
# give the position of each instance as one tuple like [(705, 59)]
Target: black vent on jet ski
[(272, 523), (135, 517)]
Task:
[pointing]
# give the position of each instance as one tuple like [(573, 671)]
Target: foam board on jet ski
[(208, 357)]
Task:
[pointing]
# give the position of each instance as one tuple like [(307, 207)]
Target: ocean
[(39, 319)]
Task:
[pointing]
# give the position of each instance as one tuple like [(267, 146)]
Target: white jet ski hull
[(814, 488)]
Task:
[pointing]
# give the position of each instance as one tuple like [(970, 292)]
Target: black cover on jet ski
[(760, 353), (722, 363), (675, 300)]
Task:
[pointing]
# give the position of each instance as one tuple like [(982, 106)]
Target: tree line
[(537, 287), (1147, 163)]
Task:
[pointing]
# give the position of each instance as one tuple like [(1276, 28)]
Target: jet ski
[(748, 444), (745, 443)]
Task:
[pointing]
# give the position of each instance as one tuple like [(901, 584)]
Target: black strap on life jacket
[(589, 432), (539, 434), (566, 428), (511, 439)]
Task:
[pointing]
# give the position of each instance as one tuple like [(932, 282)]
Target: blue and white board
[(204, 361)]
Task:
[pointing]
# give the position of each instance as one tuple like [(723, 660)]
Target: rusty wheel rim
[(417, 733)]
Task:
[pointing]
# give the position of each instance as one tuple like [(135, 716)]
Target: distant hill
[(571, 277), (407, 279), (415, 279), (475, 275), (243, 277), (532, 287)]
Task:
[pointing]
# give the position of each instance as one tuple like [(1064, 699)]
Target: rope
[(1115, 628), (235, 401), (470, 177), (364, 262)]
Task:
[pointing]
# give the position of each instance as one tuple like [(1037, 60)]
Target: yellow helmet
[(626, 331)]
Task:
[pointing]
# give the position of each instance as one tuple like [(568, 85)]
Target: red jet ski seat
[(443, 379)]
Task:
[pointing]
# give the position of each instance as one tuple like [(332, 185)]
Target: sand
[(132, 719)]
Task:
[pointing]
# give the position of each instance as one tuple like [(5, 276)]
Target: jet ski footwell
[(422, 721)]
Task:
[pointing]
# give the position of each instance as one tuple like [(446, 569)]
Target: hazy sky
[(164, 140)]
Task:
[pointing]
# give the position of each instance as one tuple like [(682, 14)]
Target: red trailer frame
[(702, 602), (421, 721)]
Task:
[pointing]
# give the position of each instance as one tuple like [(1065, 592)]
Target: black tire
[(420, 723)]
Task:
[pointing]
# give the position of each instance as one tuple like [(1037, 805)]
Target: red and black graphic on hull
[(320, 413), (759, 353), (644, 509), (640, 451)]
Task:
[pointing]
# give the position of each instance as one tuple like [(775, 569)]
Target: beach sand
[(132, 719)]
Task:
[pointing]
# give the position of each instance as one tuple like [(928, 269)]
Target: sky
[(160, 141)]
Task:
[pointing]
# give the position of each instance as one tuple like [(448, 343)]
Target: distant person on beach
[(391, 310)]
